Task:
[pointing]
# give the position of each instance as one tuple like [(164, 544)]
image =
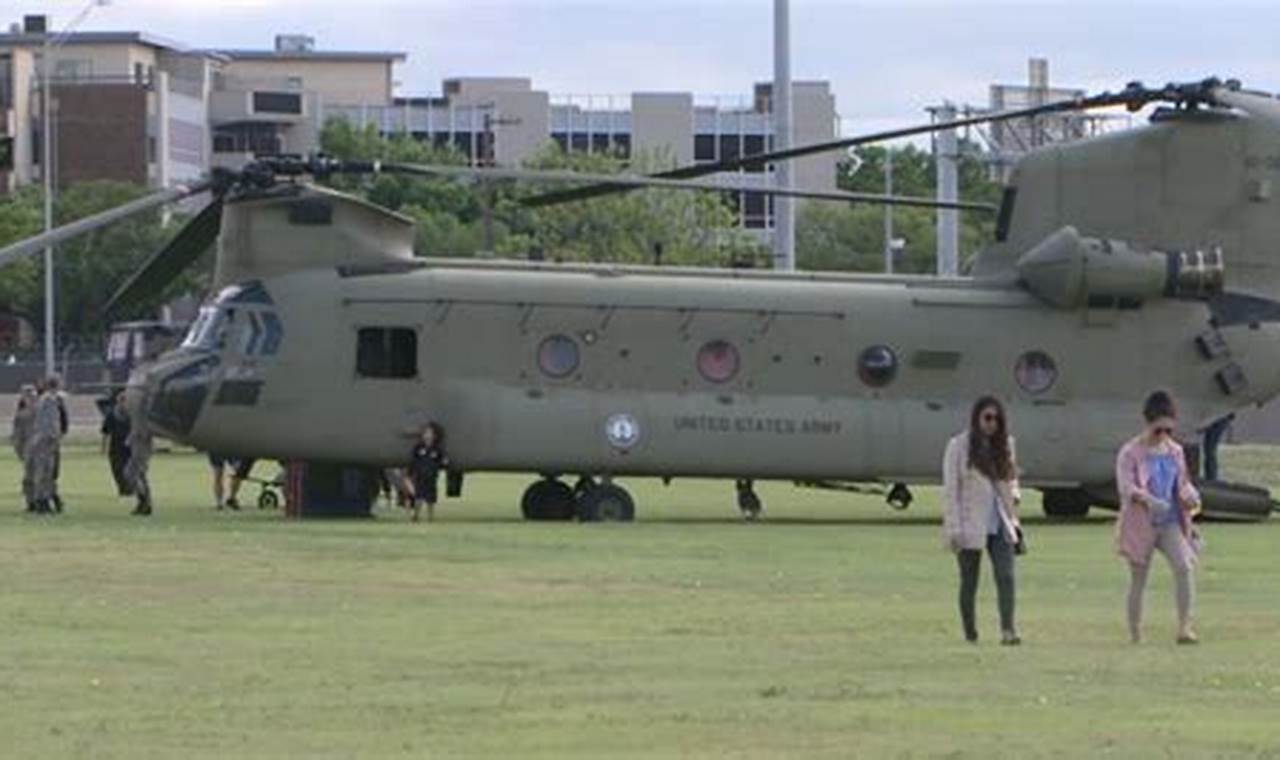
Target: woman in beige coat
[(980, 499)]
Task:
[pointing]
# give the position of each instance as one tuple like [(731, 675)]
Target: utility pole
[(946, 155), (784, 235), (46, 168)]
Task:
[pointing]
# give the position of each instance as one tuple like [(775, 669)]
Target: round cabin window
[(877, 366), (1035, 372), (558, 356), (718, 361)]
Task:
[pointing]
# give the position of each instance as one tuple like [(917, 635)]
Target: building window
[(622, 145), (387, 352), (704, 147), (1035, 372), (277, 102), (877, 366), (755, 214), (718, 361), (558, 356)]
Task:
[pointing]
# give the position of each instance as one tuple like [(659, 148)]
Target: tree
[(832, 237), (458, 218), (89, 268)]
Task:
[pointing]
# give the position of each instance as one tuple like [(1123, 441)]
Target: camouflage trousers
[(40, 469), (20, 450)]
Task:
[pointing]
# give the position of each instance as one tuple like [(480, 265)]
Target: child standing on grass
[(426, 461)]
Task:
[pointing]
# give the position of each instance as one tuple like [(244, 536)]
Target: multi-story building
[(273, 101), (131, 106), (124, 105)]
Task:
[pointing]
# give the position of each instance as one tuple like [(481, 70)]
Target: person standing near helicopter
[(980, 497), (20, 434), (115, 439), (1157, 501), (425, 463)]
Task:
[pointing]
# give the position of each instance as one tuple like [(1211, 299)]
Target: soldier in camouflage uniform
[(42, 447), (139, 462), (20, 434)]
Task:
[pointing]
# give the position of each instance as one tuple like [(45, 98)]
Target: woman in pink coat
[(1157, 500), (980, 500)]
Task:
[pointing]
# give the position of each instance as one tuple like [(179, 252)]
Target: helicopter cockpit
[(243, 318), (227, 340)]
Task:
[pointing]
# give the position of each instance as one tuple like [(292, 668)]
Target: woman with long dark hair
[(1157, 501), (980, 498)]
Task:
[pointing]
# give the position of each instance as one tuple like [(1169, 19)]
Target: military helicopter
[(330, 342)]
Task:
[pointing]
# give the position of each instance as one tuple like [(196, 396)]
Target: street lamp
[(46, 168)]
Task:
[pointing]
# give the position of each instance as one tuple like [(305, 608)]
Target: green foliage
[(457, 218), (88, 268), (836, 237)]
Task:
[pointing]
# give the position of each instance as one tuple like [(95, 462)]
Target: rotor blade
[(1260, 105), (636, 181), (89, 223), (1134, 96), (193, 239)]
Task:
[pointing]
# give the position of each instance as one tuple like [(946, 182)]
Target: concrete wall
[(24, 68), (107, 60), (515, 142), (813, 116), (662, 125), (335, 81)]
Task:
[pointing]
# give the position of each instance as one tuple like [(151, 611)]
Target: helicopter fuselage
[(634, 371)]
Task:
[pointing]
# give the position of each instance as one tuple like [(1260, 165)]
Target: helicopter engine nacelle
[(1070, 271)]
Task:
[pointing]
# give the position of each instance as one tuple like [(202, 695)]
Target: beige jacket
[(967, 495)]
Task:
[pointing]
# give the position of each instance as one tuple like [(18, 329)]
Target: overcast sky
[(886, 60)]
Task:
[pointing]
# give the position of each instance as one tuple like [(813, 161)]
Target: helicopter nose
[(171, 393)]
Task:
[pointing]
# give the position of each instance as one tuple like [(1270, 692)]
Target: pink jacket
[(966, 498), (1135, 536)]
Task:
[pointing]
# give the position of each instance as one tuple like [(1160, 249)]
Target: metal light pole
[(784, 234), (888, 211), (46, 169), (947, 155)]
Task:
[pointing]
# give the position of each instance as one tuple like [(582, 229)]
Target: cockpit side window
[(387, 352)]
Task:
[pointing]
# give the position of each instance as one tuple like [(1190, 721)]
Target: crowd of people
[(980, 495), (41, 421)]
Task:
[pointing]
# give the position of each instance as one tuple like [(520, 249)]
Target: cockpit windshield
[(209, 331)]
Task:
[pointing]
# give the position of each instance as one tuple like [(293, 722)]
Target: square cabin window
[(387, 353)]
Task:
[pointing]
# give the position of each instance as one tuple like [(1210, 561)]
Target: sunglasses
[(1163, 430), (989, 417)]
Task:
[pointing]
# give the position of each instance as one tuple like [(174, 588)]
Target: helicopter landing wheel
[(268, 499), (748, 500), (547, 499), (900, 497), (606, 502)]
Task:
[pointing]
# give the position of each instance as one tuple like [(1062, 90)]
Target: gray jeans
[(970, 561)]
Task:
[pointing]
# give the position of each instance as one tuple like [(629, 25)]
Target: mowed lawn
[(827, 630)]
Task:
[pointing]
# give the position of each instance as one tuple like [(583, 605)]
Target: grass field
[(827, 630)]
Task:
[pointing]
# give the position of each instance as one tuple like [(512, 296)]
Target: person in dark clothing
[(425, 463), (238, 475), (1212, 438), (115, 439)]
